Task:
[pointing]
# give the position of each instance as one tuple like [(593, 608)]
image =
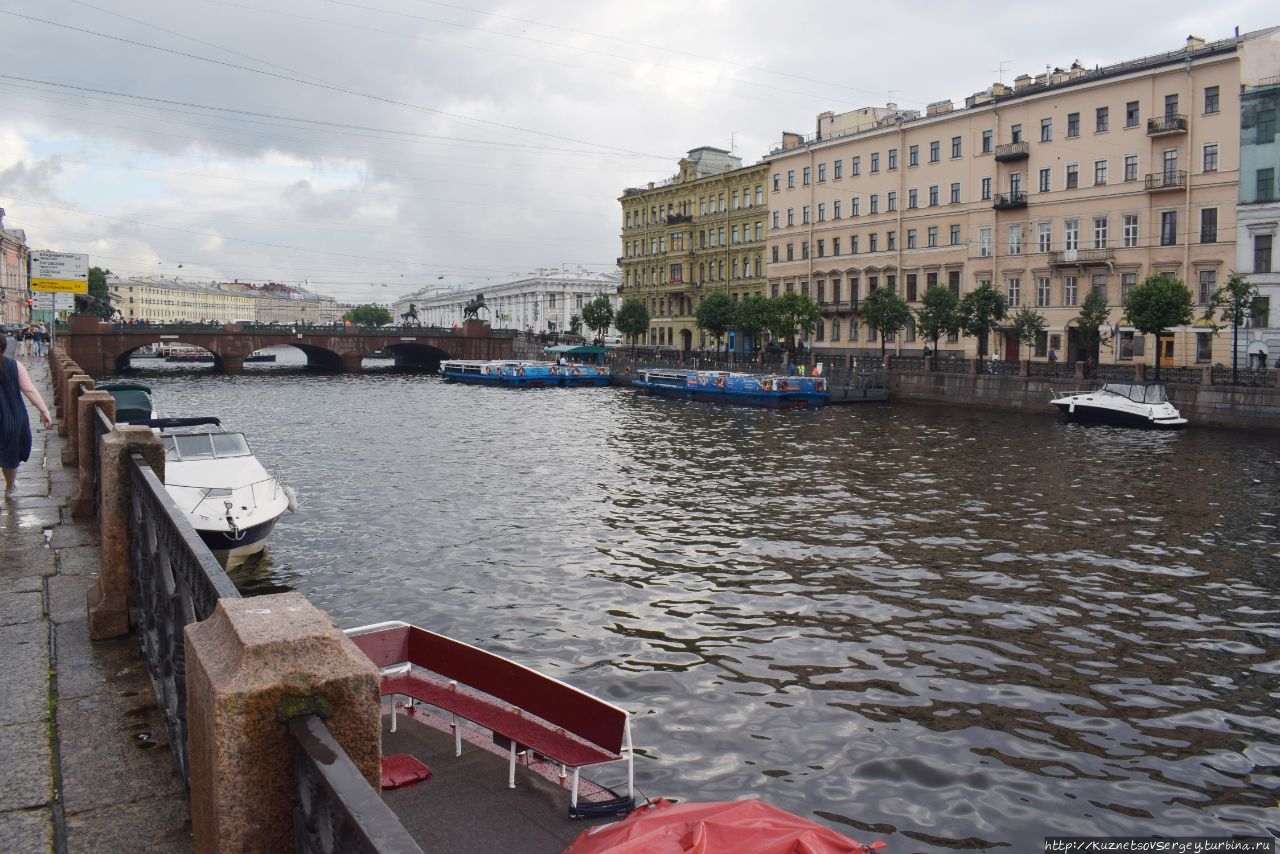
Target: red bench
[(524, 707)]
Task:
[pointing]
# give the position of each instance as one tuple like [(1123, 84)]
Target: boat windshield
[(1139, 392), (204, 446)]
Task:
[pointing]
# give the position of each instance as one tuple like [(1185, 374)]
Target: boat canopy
[(580, 352), (133, 401), (1139, 392)]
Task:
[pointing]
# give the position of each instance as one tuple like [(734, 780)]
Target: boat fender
[(1072, 408), (292, 498)]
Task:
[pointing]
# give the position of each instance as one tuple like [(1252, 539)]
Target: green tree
[(716, 313), (981, 311), (755, 318), (575, 324), (885, 312), (938, 314), (1232, 303), (632, 319), (1027, 325), (1093, 323), (1159, 303), (794, 314), (598, 316), (368, 315)]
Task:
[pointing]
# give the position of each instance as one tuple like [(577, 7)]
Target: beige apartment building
[(1069, 180), (701, 231)]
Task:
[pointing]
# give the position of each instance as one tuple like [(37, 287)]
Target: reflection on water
[(949, 630)]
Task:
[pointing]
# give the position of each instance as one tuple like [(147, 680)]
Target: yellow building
[(699, 232), (1072, 180)]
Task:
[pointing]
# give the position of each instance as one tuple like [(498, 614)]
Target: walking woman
[(15, 425)]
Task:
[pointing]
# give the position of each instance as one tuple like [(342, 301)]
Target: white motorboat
[(1128, 404), (214, 478)]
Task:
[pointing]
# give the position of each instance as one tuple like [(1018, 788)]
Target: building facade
[(1073, 180), (156, 300), (14, 264), (1259, 218), (699, 232), (546, 301)]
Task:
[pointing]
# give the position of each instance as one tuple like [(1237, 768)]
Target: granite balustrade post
[(86, 434), (76, 384), (251, 667), (108, 599)]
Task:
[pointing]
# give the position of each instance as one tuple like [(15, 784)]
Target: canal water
[(950, 630)]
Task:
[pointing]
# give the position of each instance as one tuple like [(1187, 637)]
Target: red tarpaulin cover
[(729, 827), (401, 769)]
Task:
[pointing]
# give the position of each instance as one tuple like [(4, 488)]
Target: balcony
[(620, 260), (1011, 151), (1169, 180), (678, 219), (1080, 257), (1010, 201), (1163, 125)]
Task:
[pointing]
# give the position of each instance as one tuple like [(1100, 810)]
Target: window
[(873, 241), (1043, 291), (856, 165), (1099, 232), (1130, 230), (837, 170), (1044, 237), (822, 212), (913, 155), (913, 287), (933, 195), (1071, 235), (857, 205), (777, 187), (987, 137), (1102, 120), (1099, 172), (804, 249), (893, 158), (986, 189), (1264, 132), (1169, 228), (1100, 284), (1170, 165), (1073, 176), (1204, 346), (791, 216), (1207, 286), (835, 209), (1070, 291), (1128, 281), (808, 171), (759, 194), (984, 242), (1015, 239), (1015, 133), (1211, 99), (1170, 106), (1131, 114), (1046, 178), (1260, 313), (1262, 253), (913, 198), (853, 245), (892, 201), (955, 235), (791, 179), (1014, 289), (835, 326), (1265, 181), (911, 238), (1208, 225), (822, 172), (1046, 130), (955, 192), (891, 241), (935, 151), (791, 253), (1211, 157), (875, 203), (956, 146), (875, 161), (931, 236), (804, 215), (1131, 167), (1073, 125), (835, 250)]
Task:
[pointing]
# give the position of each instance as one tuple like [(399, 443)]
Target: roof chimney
[(1194, 43)]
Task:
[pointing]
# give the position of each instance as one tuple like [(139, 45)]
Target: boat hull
[(738, 389), (250, 541), (1118, 418)]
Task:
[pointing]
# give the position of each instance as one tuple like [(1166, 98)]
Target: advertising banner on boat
[(59, 272)]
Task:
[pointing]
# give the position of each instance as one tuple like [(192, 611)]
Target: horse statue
[(410, 317), (471, 311)]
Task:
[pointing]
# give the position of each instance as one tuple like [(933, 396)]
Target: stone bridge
[(104, 349)]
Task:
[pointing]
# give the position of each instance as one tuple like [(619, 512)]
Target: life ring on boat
[(783, 385), (821, 384), (720, 382), (627, 370), (766, 385), (520, 370)]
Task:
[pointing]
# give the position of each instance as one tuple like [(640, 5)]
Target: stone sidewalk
[(85, 764)]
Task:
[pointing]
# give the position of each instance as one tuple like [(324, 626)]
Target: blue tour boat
[(729, 387), (517, 374)]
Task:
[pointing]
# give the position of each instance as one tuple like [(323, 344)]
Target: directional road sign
[(59, 272)]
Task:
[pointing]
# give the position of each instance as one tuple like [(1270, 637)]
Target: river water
[(941, 628)]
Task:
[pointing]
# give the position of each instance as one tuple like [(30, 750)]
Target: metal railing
[(1004, 201), (1080, 256), (1013, 151), (1173, 123), (1168, 180), (338, 812)]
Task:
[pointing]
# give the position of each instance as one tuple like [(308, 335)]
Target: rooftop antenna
[(733, 145), (1000, 71)]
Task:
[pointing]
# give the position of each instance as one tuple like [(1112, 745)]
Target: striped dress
[(15, 424)]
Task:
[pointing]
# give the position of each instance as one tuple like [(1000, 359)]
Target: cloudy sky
[(371, 148)]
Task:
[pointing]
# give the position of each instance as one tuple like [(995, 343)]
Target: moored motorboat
[(523, 374), (133, 401), (214, 478), (741, 388), (1126, 404)]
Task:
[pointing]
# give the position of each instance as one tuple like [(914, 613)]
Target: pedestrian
[(1053, 356), (41, 337), (20, 335), (15, 424)]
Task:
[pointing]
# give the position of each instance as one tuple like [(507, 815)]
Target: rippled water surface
[(945, 629)]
